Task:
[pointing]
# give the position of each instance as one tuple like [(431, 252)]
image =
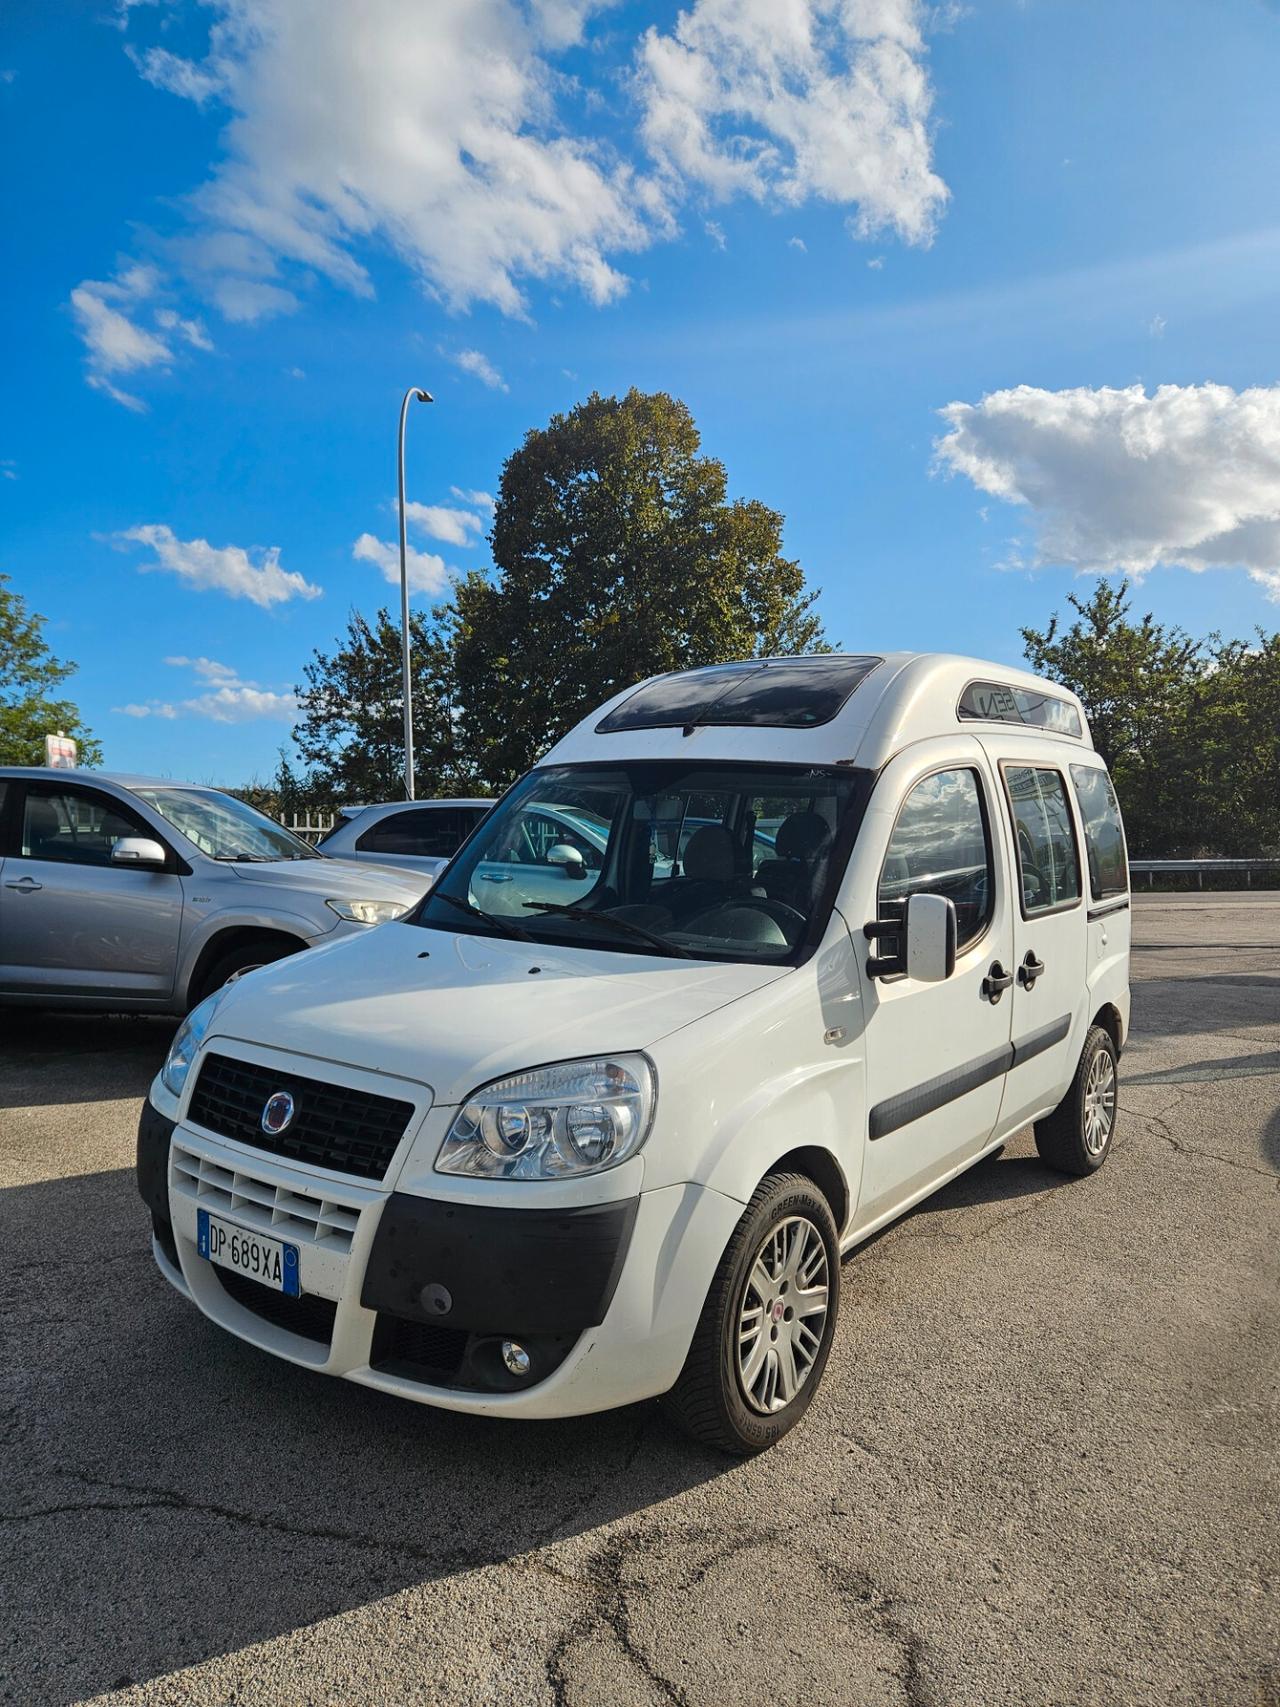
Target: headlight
[(367, 912), (573, 1118), (190, 1035)]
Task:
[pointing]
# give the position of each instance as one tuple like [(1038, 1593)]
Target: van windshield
[(719, 862)]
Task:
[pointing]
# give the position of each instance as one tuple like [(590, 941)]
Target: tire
[(1077, 1137), (724, 1395), (247, 958)]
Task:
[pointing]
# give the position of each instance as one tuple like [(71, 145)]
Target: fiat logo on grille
[(277, 1114)]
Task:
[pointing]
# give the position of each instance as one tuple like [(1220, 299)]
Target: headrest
[(802, 835), (708, 855)]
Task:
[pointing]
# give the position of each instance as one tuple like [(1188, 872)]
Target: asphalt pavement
[(1042, 1467)]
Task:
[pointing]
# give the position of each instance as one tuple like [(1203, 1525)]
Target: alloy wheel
[(783, 1315), (1099, 1102)]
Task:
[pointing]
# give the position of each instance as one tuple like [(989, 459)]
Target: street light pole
[(423, 397)]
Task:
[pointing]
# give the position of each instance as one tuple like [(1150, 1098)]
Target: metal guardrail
[(1185, 867)]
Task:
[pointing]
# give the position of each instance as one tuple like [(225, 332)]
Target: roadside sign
[(60, 752)]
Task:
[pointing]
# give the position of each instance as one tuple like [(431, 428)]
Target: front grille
[(300, 1216), (419, 1351), (333, 1126), (308, 1316)]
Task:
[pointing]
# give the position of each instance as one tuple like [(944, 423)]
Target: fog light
[(515, 1357)]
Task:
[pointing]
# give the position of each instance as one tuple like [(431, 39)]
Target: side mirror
[(138, 850), (926, 938), (568, 858), (931, 938)]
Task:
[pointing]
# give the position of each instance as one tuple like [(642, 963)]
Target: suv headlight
[(553, 1122), (186, 1043), (368, 912)]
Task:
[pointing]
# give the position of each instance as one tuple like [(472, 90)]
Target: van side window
[(940, 846), (1103, 832), (1046, 838)]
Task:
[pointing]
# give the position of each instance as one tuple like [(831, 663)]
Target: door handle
[(996, 982), (24, 885), (486, 878), (1030, 970)]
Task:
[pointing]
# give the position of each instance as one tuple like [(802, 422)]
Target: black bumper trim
[(497, 1271), (154, 1134)]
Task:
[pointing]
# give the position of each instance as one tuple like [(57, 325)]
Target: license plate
[(268, 1261)]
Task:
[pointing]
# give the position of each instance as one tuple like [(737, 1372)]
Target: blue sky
[(237, 231)]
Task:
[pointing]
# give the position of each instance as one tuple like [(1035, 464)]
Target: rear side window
[(435, 832), (940, 846), (1045, 835), (1103, 832)]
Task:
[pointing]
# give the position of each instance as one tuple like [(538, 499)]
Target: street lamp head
[(425, 397)]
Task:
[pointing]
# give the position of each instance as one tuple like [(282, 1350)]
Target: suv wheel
[(247, 958)]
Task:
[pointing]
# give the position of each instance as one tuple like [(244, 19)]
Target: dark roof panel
[(780, 693)]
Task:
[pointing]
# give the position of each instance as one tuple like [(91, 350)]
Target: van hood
[(454, 1011), (336, 879)]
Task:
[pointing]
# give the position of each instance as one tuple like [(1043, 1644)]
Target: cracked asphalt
[(1042, 1468)]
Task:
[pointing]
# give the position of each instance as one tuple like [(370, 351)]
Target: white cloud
[(114, 342), (716, 233), (1119, 480), (228, 699), (787, 100), (107, 315), (1156, 325), (192, 330), (478, 365), (153, 708), (208, 669), (441, 139), (424, 571), (227, 568), (798, 243), (480, 500), (179, 76), (876, 263), (440, 521), (447, 135), (241, 704)]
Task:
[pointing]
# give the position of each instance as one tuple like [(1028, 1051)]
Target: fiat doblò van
[(756, 958)]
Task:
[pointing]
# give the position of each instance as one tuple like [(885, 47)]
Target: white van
[(853, 922)]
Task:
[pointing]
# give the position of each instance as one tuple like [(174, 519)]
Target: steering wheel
[(786, 918)]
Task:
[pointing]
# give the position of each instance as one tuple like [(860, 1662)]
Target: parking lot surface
[(1042, 1467)]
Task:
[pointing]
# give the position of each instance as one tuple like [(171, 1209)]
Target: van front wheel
[(1076, 1137), (765, 1332)]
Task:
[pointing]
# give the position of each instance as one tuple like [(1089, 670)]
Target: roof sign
[(995, 702)]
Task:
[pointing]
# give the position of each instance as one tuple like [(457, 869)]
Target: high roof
[(829, 709)]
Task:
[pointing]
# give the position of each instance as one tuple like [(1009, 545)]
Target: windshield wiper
[(625, 925), (508, 927), (245, 858)]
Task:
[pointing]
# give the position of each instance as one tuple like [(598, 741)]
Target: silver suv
[(135, 893)]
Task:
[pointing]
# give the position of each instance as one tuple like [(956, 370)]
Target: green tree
[(618, 556), (1189, 728), (351, 732), (29, 677)]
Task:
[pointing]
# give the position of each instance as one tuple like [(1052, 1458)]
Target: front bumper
[(413, 1294)]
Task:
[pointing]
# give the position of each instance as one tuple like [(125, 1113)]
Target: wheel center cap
[(778, 1308)]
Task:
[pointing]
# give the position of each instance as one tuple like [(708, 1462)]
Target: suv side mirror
[(926, 937), (569, 858), (138, 850), (931, 938)]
